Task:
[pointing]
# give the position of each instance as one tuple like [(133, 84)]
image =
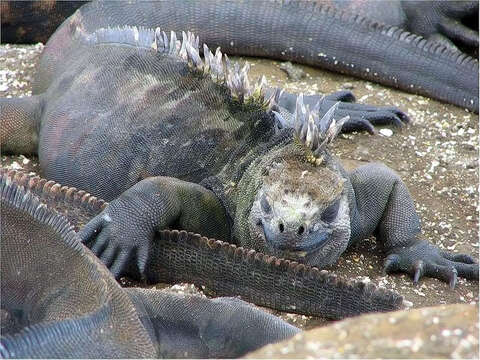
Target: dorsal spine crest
[(217, 66)]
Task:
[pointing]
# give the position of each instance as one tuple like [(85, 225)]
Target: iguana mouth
[(294, 245)]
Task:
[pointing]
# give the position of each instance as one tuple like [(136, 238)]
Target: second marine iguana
[(184, 142), (450, 22), (69, 306), (299, 31), (346, 36)]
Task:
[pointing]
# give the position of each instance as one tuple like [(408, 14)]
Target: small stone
[(446, 333), (15, 165), (348, 86), (472, 164), (386, 132)]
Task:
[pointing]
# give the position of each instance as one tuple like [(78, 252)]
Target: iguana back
[(132, 112)]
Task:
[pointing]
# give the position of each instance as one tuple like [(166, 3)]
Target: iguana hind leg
[(20, 121), (383, 206), (197, 327)]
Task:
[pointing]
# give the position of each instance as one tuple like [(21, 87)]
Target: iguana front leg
[(126, 228), (381, 205), (20, 120)]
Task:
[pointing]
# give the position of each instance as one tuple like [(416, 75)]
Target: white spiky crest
[(315, 133), (311, 131), (218, 66)]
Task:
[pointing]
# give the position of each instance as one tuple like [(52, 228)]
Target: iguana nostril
[(301, 230), (281, 227)]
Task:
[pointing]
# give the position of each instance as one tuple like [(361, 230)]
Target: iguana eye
[(330, 213), (265, 205)]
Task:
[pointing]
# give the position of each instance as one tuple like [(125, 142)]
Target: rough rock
[(448, 331)]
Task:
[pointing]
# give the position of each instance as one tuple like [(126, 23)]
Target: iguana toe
[(108, 255), (446, 273), (121, 262), (343, 95), (463, 258), (373, 115), (100, 244), (391, 264), (88, 232), (358, 124), (467, 271)]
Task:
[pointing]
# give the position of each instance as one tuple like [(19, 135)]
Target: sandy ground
[(437, 157)]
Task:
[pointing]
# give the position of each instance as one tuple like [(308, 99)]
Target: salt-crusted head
[(301, 210)]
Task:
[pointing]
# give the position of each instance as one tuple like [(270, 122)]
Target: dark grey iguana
[(59, 301), (223, 268), (450, 22), (314, 33), (299, 31), (192, 145)]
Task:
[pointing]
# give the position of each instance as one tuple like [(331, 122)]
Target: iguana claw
[(391, 264), (419, 268), (424, 259)]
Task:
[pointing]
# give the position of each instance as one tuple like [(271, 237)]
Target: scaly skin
[(21, 21), (431, 71), (300, 32), (434, 20)]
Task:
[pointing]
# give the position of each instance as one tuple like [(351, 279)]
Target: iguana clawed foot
[(105, 235), (362, 117), (425, 259)]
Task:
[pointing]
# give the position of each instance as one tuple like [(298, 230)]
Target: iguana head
[(301, 212)]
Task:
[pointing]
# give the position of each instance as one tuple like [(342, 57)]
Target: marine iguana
[(225, 160), (70, 306), (299, 31), (313, 33), (223, 268)]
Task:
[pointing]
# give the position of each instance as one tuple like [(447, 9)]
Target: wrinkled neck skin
[(305, 237)]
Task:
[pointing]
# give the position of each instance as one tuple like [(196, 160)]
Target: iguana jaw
[(321, 248)]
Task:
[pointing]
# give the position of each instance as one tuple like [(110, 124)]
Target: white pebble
[(386, 132)]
